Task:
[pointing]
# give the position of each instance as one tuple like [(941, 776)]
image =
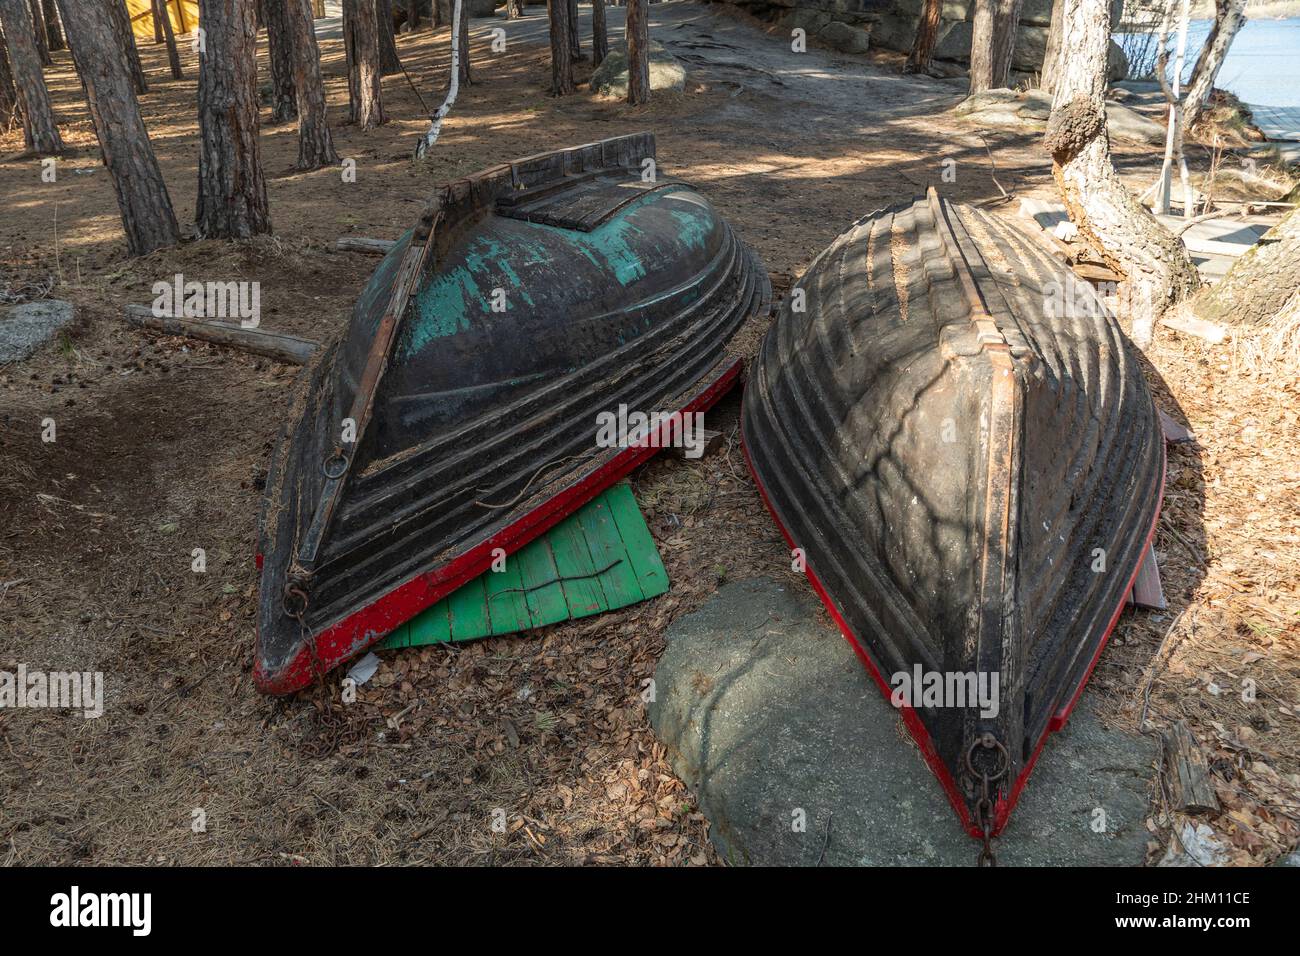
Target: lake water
[(1263, 63)]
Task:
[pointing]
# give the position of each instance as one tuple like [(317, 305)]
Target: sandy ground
[(162, 447)]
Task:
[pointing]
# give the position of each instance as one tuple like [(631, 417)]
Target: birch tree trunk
[(638, 52), (315, 145), (1130, 240), (142, 198), (361, 42), (39, 36), (561, 52), (599, 34), (1052, 54), (126, 43), (388, 61), (40, 131), (1229, 15), (927, 34), (52, 32), (232, 191), (1260, 283), (993, 40), (279, 43)]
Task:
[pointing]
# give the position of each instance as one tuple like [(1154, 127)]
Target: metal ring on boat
[(294, 594), (335, 466)]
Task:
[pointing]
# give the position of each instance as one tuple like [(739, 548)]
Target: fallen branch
[(282, 348), (375, 247)]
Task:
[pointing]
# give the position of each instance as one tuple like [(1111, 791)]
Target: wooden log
[(1187, 772), (376, 247), (710, 441), (283, 348)]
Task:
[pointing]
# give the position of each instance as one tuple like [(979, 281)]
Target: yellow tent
[(184, 15)]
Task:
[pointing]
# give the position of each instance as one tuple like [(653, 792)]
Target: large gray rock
[(846, 39), (666, 72), (25, 328), (769, 717)]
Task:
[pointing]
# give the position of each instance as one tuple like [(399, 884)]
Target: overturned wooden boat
[(956, 437), (456, 417)]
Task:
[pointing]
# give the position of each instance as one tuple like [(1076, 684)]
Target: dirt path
[(162, 448)]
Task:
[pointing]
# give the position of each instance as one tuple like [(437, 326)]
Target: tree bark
[(126, 43), (927, 34), (561, 51), (52, 32), (361, 42), (1228, 18), (514, 9), (279, 42), (1111, 220), (142, 198), (575, 39), (1052, 54), (9, 111), (993, 41), (638, 52), (40, 130), (412, 14), (315, 145), (39, 35), (466, 77), (1260, 283), (158, 8), (388, 61), (599, 35), (169, 36), (232, 192)]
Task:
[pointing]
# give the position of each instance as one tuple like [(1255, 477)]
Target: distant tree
[(126, 43), (39, 34), (52, 32), (637, 30), (279, 43), (599, 35), (315, 146), (40, 130), (466, 77), (412, 14), (388, 61), (1052, 53), (927, 34), (561, 50), (1229, 15), (232, 190), (361, 43), (1109, 217), (164, 22), (142, 198), (575, 40), (993, 40), (157, 8), (514, 9), (9, 111)]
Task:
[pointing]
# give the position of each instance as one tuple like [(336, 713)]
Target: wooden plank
[(1180, 320), (641, 550), (582, 592), (1147, 591), (544, 595), (283, 348), (1187, 772), (506, 603), (619, 583), (467, 608), (374, 247), (432, 626)]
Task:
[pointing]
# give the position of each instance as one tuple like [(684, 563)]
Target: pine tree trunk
[(637, 30), (146, 208), (993, 40), (158, 8), (39, 35), (52, 32), (10, 114), (1228, 18), (279, 42), (927, 34), (514, 9), (388, 61), (1052, 54), (232, 192), (575, 39), (1260, 283), (599, 35), (40, 130), (438, 14), (126, 43), (1109, 217), (361, 43), (412, 14), (561, 51), (169, 36), (466, 77), (315, 145)]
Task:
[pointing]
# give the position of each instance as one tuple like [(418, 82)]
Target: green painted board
[(599, 559)]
